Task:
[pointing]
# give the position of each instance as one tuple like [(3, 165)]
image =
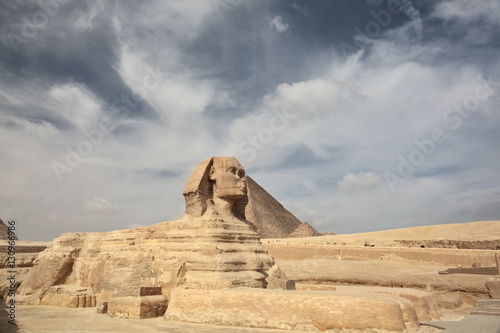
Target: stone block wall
[(292, 309), (431, 256), (137, 307)]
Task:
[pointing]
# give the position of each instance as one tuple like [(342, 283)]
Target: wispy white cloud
[(352, 183), (414, 14), (100, 206), (276, 22), (465, 10), (77, 105), (478, 25), (308, 98)]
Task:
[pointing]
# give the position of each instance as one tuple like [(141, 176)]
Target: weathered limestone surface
[(25, 253), (471, 270), (211, 247), (448, 257), (69, 296), (324, 287), (422, 301), (137, 307), (292, 310), (211, 253), (24, 258), (493, 285)]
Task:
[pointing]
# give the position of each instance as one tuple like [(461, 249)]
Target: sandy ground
[(49, 319), (455, 294), (382, 273), (473, 231)]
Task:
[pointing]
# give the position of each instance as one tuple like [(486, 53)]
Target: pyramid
[(304, 230), (270, 218), (4, 231)]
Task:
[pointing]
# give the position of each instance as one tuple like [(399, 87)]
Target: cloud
[(100, 206), (85, 20), (287, 119), (311, 98), (476, 25), (352, 183), (414, 14), (176, 84), (465, 10), (76, 104), (41, 128), (277, 23), (171, 96)]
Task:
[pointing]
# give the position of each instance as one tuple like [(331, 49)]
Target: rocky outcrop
[(493, 286), (24, 257)]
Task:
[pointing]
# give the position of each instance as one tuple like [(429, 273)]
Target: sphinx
[(219, 185), (211, 247)]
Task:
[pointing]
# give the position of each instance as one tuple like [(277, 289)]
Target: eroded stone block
[(493, 285), (137, 307), (70, 296), (291, 309), (102, 307)]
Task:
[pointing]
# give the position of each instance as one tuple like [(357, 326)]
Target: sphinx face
[(228, 175)]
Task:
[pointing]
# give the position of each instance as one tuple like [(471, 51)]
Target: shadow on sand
[(5, 326)]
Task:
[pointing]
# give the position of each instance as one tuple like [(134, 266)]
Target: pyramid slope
[(304, 230), (270, 218), (4, 231)]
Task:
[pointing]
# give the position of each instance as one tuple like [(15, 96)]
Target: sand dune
[(443, 235)]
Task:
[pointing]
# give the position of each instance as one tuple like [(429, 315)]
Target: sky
[(356, 115)]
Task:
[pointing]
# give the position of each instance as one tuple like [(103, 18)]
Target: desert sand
[(481, 235), (50, 319), (396, 258)]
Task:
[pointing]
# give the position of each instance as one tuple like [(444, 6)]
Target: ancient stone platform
[(293, 310)]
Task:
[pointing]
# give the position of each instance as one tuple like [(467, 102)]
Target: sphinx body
[(211, 247)]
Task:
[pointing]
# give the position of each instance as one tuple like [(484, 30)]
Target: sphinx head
[(217, 182), (227, 175)]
